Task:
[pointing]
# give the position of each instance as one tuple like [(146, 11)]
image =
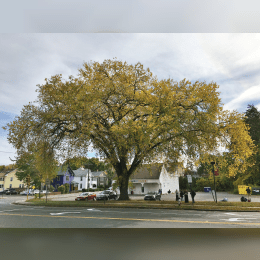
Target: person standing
[(177, 195), (193, 194), (181, 195), (186, 197), (248, 193)]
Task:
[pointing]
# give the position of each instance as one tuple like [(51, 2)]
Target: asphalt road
[(20, 216)]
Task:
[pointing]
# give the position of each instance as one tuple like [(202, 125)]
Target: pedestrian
[(248, 193), (169, 191), (186, 196), (181, 195), (177, 195), (193, 194)]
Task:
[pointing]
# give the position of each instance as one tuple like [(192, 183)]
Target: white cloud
[(251, 94), (6, 152)]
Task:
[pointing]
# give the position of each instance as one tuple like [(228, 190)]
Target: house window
[(81, 178), (1, 185), (67, 178), (80, 186), (94, 185), (10, 186), (2, 179), (11, 179), (58, 178), (20, 185)]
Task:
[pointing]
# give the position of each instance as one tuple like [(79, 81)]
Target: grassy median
[(199, 205)]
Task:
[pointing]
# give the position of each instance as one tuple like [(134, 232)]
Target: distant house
[(64, 175), (147, 179), (96, 179), (10, 180)]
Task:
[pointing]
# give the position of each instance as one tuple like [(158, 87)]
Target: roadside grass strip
[(200, 205)]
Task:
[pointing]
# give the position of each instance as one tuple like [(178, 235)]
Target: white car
[(42, 192), (31, 192)]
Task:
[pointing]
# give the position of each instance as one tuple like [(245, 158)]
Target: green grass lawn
[(202, 205)]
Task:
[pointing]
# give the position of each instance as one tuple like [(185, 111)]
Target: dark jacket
[(193, 193)]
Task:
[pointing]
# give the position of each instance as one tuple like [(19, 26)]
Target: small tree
[(67, 188), (61, 189)]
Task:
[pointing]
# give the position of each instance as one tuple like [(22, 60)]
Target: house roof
[(97, 174), (63, 172), (148, 172), (84, 172), (80, 173), (11, 171)]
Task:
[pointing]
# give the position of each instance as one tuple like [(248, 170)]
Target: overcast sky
[(201, 52)]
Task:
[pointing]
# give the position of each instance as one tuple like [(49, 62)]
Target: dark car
[(10, 191), (152, 196), (107, 195)]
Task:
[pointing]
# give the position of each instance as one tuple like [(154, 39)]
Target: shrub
[(51, 189), (67, 188), (61, 189), (37, 195)]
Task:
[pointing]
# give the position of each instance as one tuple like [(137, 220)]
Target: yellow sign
[(33, 187), (242, 189)]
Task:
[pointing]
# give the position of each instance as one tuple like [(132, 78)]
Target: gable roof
[(81, 173), (148, 172), (64, 171)]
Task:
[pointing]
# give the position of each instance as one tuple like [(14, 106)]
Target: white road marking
[(61, 213), (94, 209), (230, 214), (237, 219)]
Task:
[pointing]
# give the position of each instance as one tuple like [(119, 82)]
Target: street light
[(212, 163)]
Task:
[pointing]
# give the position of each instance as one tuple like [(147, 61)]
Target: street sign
[(189, 178)]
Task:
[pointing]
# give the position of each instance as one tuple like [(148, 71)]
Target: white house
[(159, 176), (95, 178)]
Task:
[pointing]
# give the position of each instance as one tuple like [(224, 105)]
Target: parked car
[(42, 192), (86, 196), (30, 192), (11, 191), (107, 195), (152, 196)]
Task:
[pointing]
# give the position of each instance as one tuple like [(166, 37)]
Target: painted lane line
[(134, 219), (61, 213), (93, 209), (237, 219), (231, 214)]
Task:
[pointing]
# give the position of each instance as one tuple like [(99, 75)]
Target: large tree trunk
[(123, 185)]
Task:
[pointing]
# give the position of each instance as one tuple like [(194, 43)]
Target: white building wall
[(148, 187), (168, 181)]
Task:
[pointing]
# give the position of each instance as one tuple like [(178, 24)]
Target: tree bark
[(124, 188)]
